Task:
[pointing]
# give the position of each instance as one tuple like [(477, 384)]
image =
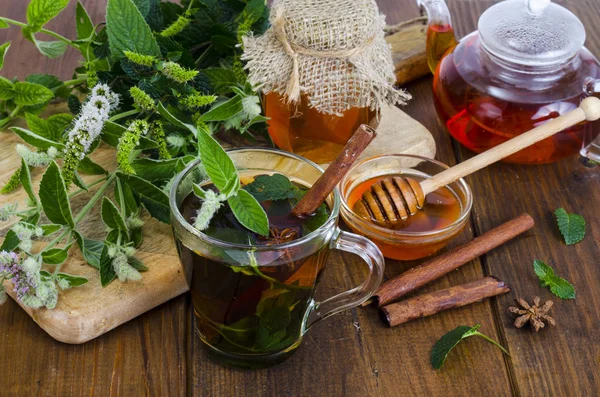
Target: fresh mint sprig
[(558, 286), (571, 226), (446, 343), (224, 176)]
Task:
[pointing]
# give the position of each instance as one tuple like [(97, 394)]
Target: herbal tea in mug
[(253, 293)]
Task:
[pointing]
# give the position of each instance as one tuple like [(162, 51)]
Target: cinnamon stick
[(451, 260), (435, 302), (317, 194)]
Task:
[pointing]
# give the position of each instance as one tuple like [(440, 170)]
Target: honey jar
[(323, 68), (443, 216)]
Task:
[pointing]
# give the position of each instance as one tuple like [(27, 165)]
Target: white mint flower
[(123, 269), (211, 204), (88, 127), (36, 159), (25, 235), (7, 211)]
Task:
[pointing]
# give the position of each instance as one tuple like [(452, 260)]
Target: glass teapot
[(525, 65)]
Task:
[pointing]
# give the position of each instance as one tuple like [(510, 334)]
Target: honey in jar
[(422, 234), (303, 130)]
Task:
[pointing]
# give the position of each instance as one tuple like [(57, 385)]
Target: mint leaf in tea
[(253, 301)]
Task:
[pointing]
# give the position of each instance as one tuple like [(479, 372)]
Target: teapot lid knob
[(537, 7)]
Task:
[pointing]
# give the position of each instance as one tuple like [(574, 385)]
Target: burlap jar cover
[(332, 51)]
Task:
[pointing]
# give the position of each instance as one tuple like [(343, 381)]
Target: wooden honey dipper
[(394, 199)]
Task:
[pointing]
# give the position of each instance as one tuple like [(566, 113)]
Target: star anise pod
[(534, 315)]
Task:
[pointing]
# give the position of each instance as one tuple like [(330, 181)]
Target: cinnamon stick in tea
[(317, 194), (451, 260), (435, 302)]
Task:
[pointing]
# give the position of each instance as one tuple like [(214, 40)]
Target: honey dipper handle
[(588, 110)]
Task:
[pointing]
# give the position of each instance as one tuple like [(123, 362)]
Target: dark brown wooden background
[(353, 354)]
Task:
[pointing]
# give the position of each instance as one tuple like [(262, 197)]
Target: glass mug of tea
[(253, 302)]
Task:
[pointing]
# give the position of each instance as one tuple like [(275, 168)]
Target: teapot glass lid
[(531, 32)]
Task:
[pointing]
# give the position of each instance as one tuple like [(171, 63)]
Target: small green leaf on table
[(124, 195), (558, 286), (111, 215), (54, 197), (249, 212), (90, 248), (571, 226), (128, 31), (446, 343), (40, 12)]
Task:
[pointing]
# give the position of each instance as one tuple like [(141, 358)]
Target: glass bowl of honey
[(443, 216)]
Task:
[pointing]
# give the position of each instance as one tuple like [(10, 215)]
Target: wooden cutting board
[(89, 311)]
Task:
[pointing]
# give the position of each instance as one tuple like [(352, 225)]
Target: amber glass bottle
[(305, 131)]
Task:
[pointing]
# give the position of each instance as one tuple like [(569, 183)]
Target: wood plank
[(563, 360)]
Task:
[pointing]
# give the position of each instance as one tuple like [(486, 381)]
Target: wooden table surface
[(353, 353)]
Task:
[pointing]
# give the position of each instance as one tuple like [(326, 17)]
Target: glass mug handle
[(371, 255)]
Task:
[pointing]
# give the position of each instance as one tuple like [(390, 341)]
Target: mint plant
[(156, 78)]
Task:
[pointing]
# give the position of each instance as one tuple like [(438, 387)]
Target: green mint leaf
[(4, 24), (3, 50), (137, 264), (221, 79), (143, 6), (40, 12), (232, 187), (88, 166), (124, 194), (58, 123), (224, 110), (38, 126), (25, 177), (446, 343), (29, 94), (51, 49), (271, 188), (154, 170), (111, 215), (216, 162), (571, 226), (128, 31), (542, 270), (107, 272), (163, 111), (317, 220), (36, 140), (153, 198), (50, 229), (558, 286), (7, 91), (198, 191), (74, 281), (77, 181), (84, 24), (54, 198), (112, 132), (47, 80), (11, 241), (249, 212), (90, 249), (56, 256)]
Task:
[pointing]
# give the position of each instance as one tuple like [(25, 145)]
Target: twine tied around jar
[(334, 52)]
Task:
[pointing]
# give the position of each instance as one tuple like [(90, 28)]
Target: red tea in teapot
[(480, 121)]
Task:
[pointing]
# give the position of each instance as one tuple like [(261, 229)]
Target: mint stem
[(45, 31), (123, 115), (492, 342)]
